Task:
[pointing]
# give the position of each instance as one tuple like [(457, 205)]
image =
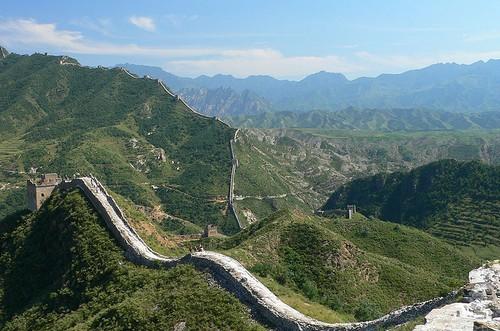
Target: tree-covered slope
[(300, 168), (339, 269), (370, 119), (142, 143), (60, 269), (459, 201)]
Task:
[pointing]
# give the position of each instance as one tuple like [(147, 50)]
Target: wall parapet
[(229, 273)]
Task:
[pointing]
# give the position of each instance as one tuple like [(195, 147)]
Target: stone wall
[(234, 165), (229, 273), (233, 157)]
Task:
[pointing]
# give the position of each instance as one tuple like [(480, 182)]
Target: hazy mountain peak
[(441, 86), (325, 77)]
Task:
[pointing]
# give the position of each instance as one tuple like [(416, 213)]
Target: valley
[(299, 168)]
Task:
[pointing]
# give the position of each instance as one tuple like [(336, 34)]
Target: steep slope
[(458, 201), (370, 119), (215, 100), (61, 270), (300, 168), (359, 268), (224, 102), (142, 142), (444, 86)]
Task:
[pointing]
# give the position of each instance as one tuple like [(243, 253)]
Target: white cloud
[(177, 20), (100, 25), (262, 62), (482, 36), (29, 34), (143, 22)]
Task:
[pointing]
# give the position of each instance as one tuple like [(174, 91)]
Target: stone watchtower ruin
[(351, 210), (40, 189), (210, 231)]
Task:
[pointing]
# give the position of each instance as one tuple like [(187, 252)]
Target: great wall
[(229, 273), (234, 161)]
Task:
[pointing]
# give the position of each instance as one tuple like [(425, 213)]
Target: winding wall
[(231, 143), (234, 165), (228, 272)]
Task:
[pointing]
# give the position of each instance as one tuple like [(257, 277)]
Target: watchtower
[(40, 189), (351, 210), (210, 231)]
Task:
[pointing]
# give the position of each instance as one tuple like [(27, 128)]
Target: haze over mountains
[(174, 172), (445, 87)]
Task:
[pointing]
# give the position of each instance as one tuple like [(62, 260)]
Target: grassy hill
[(458, 201), (300, 168), (341, 270), (60, 269), (142, 143)]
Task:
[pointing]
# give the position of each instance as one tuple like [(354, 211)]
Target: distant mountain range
[(446, 87), (370, 119)]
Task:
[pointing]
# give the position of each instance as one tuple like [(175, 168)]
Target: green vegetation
[(458, 201), (299, 168), (358, 268), (70, 119), (409, 326), (370, 119), (60, 269)]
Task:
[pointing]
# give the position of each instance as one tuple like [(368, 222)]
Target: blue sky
[(284, 39)]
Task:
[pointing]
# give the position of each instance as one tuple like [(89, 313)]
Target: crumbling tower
[(40, 189), (210, 231), (351, 210)]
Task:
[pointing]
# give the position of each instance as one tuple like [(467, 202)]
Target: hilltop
[(60, 269), (341, 270), (144, 144), (457, 201)]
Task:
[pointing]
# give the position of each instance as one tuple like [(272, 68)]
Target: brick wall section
[(229, 273)]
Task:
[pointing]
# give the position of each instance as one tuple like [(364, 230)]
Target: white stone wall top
[(263, 300), (483, 294)]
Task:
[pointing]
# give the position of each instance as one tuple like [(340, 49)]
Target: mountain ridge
[(146, 145), (442, 86)]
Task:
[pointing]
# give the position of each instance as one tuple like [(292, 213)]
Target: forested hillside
[(60, 269), (458, 201), (339, 270), (141, 142), (371, 119), (300, 168)]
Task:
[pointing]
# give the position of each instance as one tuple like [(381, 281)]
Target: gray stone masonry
[(229, 273)]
